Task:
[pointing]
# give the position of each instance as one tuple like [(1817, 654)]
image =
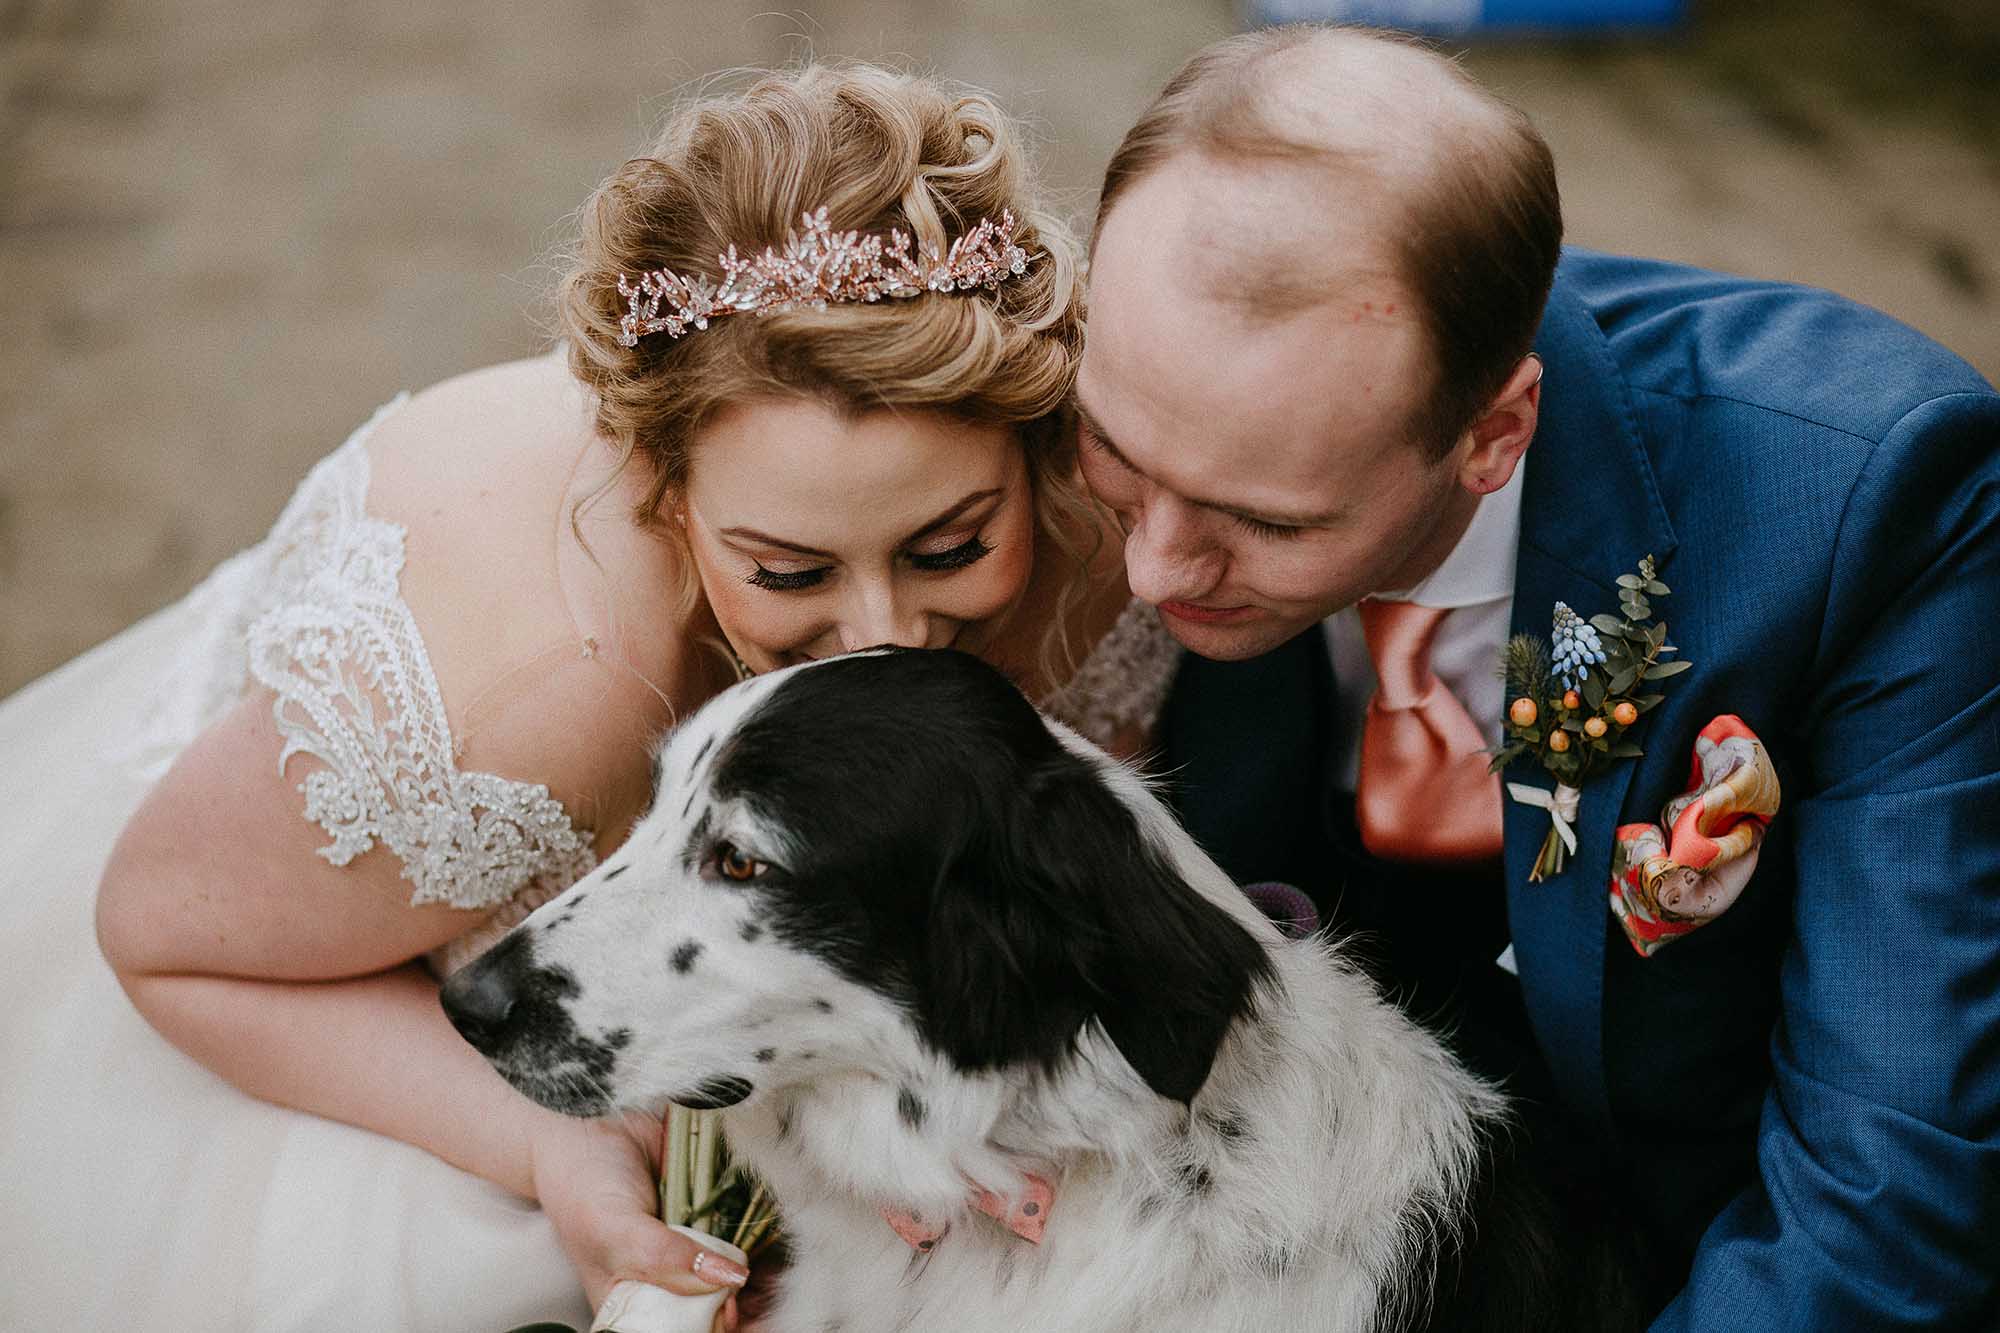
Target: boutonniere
[(1576, 695)]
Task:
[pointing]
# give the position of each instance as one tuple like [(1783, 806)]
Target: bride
[(423, 705)]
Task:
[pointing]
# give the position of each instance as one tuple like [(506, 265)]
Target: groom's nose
[(1168, 554)]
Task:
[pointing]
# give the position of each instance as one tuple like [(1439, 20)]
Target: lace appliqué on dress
[(1123, 683), (355, 690)]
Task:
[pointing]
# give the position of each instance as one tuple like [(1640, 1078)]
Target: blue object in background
[(1470, 16)]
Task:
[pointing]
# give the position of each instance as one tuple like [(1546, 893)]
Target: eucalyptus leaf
[(1625, 750), (1645, 702), (1661, 670), (1657, 588), (1635, 606), (1624, 679), (1632, 581), (1593, 690), (1608, 625), (1657, 635)]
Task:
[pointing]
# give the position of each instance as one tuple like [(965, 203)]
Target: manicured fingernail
[(722, 1271)]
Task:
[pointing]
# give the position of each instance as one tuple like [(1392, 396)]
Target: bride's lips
[(1208, 615)]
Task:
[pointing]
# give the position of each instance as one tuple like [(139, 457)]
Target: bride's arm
[(298, 981), (288, 976)]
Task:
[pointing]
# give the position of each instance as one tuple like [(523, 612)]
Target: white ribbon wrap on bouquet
[(640, 1307), (1560, 803)]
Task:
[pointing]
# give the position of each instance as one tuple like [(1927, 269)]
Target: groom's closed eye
[(1088, 436), (1261, 528), (1271, 529)]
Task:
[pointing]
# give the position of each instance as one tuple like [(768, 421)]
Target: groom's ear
[(1072, 916), (1497, 438)]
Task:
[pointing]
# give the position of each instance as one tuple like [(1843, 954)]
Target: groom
[(1329, 315)]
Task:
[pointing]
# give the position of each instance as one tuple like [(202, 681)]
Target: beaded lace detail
[(315, 614), (356, 691), (1123, 683)]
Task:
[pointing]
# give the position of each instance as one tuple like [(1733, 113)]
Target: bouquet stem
[(1549, 862), (707, 1135), (675, 1172)]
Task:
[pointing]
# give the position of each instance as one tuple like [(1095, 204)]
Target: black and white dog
[(945, 962)]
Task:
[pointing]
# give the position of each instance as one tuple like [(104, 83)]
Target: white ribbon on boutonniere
[(1560, 803), (1575, 698)]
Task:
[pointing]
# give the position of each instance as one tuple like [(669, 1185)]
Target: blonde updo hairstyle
[(880, 150)]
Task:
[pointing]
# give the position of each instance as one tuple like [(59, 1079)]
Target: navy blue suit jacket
[(1804, 1095)]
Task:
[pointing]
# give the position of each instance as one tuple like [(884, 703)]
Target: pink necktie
[(1424, 793)]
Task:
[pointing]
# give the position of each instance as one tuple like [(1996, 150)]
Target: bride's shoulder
[(491, 475), (504, 435)]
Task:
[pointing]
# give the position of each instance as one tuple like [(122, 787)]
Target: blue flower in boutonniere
[(1576, 646), (1573, 702)]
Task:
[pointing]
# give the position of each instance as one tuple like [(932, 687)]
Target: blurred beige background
[(229, 229)]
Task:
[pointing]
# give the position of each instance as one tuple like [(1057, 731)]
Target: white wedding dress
[(141, 1191)]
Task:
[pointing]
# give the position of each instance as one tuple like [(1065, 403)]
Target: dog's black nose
[(483, 995)]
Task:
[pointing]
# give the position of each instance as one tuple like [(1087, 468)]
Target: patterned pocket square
[(1669, 878)]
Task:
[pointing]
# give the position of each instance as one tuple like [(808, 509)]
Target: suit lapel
[(1590, 508)]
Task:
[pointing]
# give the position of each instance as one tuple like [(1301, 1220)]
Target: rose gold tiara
[(822, 267)]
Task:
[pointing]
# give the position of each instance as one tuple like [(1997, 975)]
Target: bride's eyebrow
[(952, 513), (955, 511)]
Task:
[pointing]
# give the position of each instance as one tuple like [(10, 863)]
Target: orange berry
[(1571, 699), (1593, 727), (1559, 742), (1523, 713), (1625, 714)]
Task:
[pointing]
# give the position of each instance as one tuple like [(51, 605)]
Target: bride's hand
[(598, 1183)]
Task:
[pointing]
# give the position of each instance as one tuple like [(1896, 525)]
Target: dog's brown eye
[(731, 863)]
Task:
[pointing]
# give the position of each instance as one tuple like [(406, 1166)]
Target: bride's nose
[(878, 617)]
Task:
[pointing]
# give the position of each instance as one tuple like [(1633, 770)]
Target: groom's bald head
[(1358, 156)]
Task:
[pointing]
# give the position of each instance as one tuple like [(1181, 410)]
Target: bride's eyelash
[(1263, 529), (784, 580), (958, 557)]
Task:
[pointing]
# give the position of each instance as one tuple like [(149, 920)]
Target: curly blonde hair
[(878, 149)]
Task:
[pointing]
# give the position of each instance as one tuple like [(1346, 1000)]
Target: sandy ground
[(228, 230)]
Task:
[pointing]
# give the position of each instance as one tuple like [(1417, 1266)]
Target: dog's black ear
[(1076, 917), (1007, 960), (1175, 971)]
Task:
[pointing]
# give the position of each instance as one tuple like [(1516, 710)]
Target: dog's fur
[(974, 948)]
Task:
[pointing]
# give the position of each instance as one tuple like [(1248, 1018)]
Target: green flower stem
[(1549, 862), (750, 1215), (674, 1199), (707, 1135)]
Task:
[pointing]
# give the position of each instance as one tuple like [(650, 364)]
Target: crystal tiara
[(818, 268)]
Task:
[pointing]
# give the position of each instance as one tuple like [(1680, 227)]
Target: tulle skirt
[(138, 1190)]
